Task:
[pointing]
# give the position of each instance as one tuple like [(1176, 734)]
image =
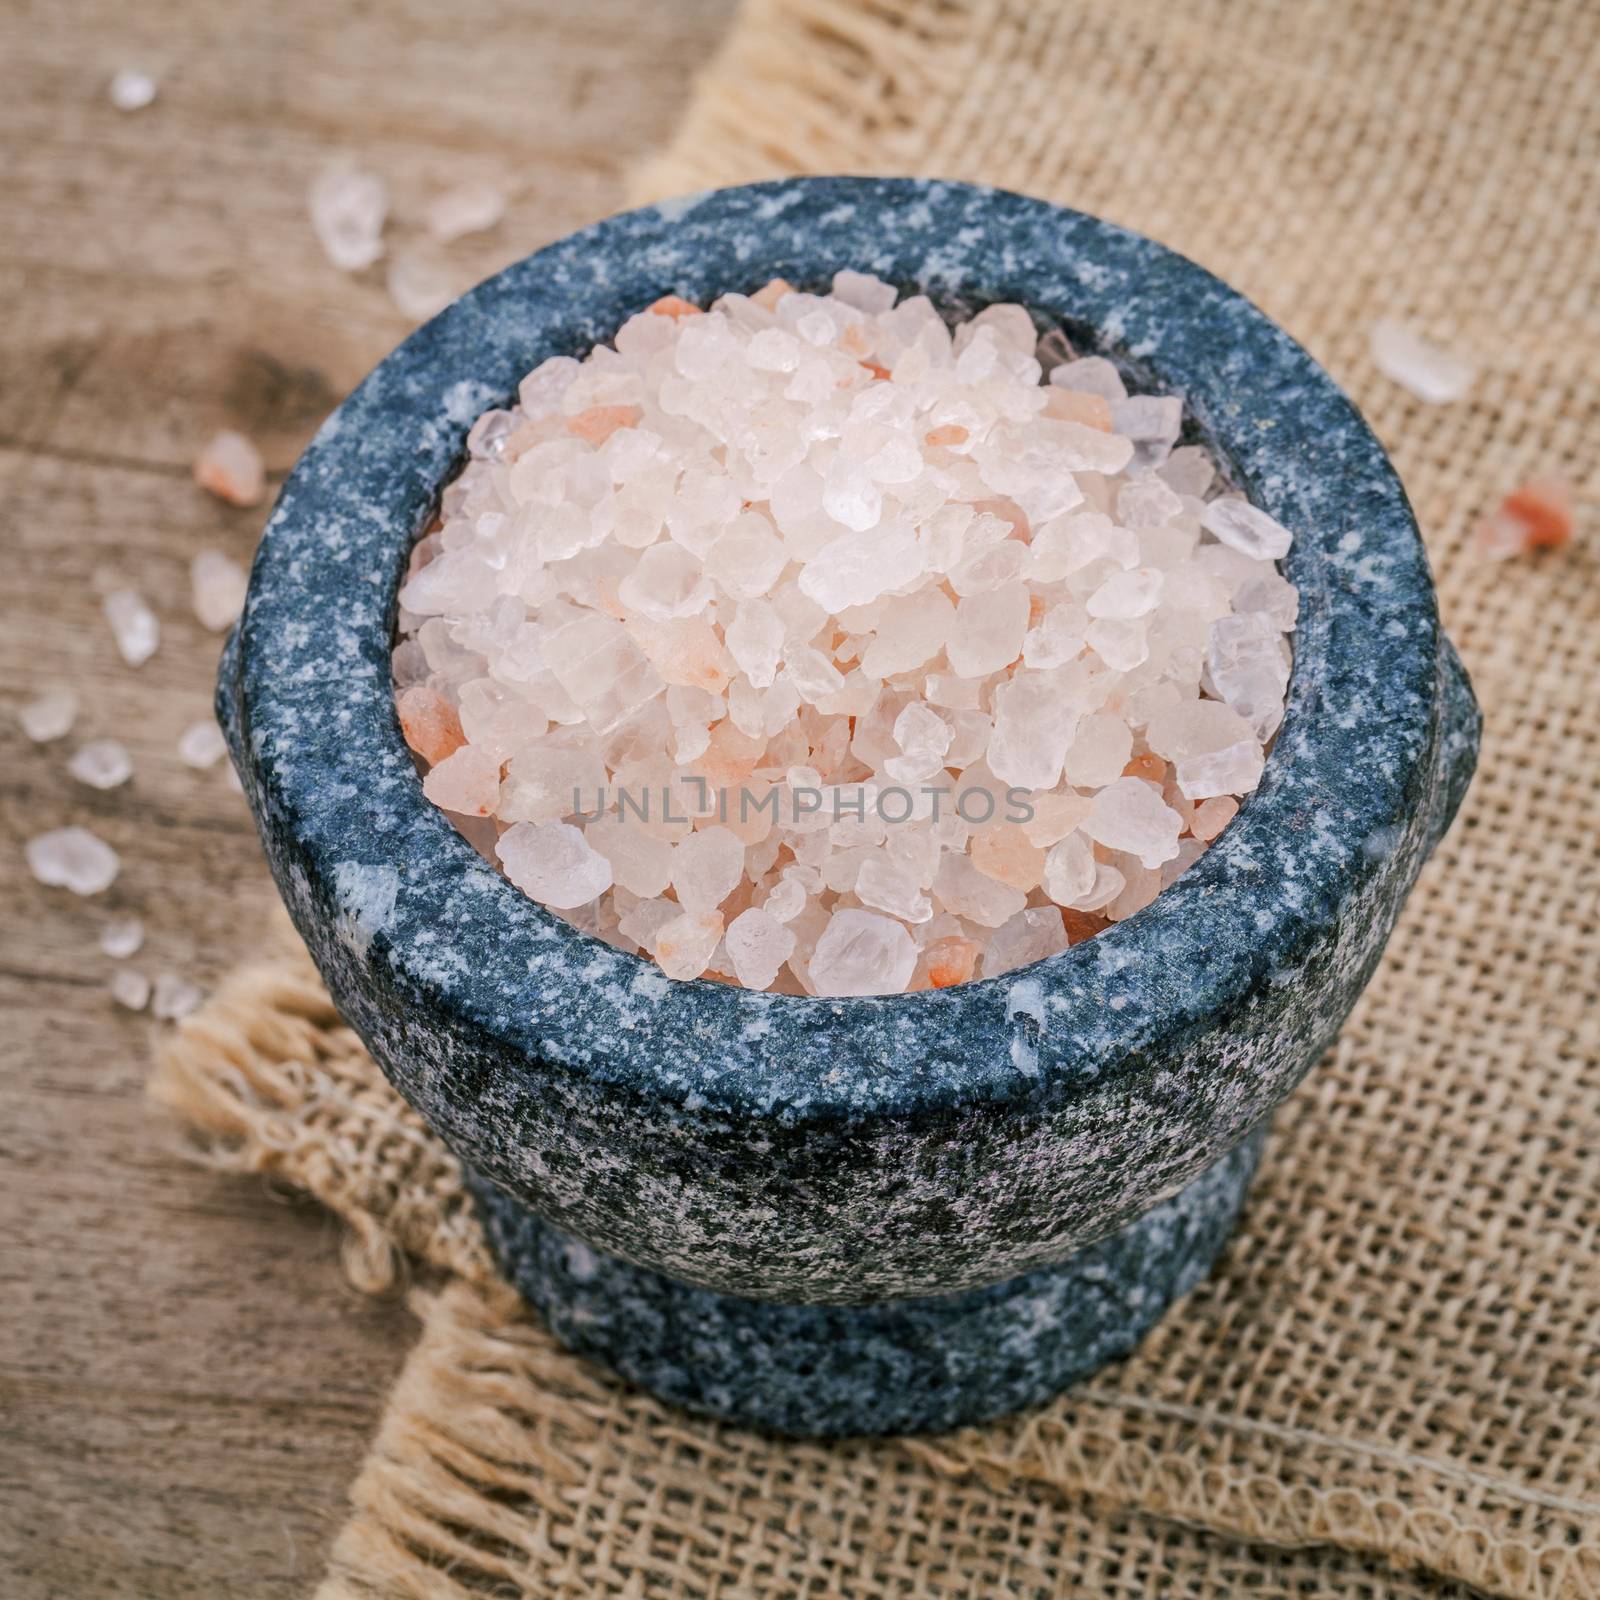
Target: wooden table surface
[(186, 1383)]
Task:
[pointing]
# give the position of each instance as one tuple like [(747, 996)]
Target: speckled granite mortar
[(1067, 1126)]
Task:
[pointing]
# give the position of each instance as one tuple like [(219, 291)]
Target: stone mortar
[(878, 1214)]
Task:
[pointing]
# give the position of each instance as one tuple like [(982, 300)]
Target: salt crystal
[(130, 989), (1246, 528), (705, 868), (102, 764), (218, 584), (131, 90), (1091, 375), (467, 781), (861, 953), (1429, 371), (348, 209), (757, 945), (552, 862), (133, 624), (73, 858), (1030, 936), (420, 288), (175, 997), (1069, 870), (122, 938), (50, 716), (201, 744), (1129, 815), (467, 208), (230, 467), (780, 578)]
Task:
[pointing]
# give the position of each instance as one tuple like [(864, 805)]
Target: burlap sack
[(1391, 1384)]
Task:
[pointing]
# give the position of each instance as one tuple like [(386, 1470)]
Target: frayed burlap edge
[(267, 1079)]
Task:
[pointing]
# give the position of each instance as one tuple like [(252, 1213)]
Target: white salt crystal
[(130, 989), (886, 886), (1246, 528), (1030, 936), (757, 945), (552, 862), (862, 290), (218, 584), (50, 716), (685, 945), (1069, 870), (131, 90), (73, 858), (201, 744), (348, 209), (231, 468), (122, 937), (1126, 594), (175, 997), (861, 953), (705, 868), (1130, 815), (1091, 375), (467, 208), (467, 781), (420, 288), (1429, 371), (102, 764), (1100, 749), (133, 624)]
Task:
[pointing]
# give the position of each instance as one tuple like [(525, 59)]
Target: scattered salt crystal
[(218, 584), (50, 716), (73, 858), (1428, 370), (348, 209), (420, 288), (122, 937), (131, 90), (102, 764), (467, 208), (1535, 516), (133, 624), (802, 644), (230, 467), (201, 744), (174, 997), (130, 989)]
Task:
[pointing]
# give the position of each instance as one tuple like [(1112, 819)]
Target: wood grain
[(186, 1383)]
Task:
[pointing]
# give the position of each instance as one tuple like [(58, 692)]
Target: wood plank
[(186, 1382)]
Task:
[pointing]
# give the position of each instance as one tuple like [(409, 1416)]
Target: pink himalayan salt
[(1212, 816), (1535, 516), (230, 467), (217, 584), (730, 554)]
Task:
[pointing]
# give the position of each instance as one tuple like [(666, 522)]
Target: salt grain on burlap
[(201, 744), (808, 645), (174, 997)]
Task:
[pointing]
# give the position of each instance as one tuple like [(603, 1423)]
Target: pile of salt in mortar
[(813, 644)]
